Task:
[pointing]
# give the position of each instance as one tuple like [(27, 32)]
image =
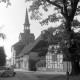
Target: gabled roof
[(18, 43), (28, 48), (18, 47)]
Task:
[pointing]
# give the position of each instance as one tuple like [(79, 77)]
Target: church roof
[(18, 47), (17, 44), (28, 48)]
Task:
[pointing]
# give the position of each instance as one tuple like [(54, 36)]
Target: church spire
[(26, 24)]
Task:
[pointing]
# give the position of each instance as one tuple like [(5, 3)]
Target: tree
[(68, 9), (33, 59), (32, 65), (2, 51), (2, 57), (41, 62), (3, 36), (58, 36), (6, 1), (36, 57)]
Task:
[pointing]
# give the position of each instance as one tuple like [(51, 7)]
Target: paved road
[(24, 75), (18, 76), (21, 75)]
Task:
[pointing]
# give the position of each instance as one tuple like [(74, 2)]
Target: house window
[(54, 57)]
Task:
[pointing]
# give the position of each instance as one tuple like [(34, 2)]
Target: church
[(25, 39)]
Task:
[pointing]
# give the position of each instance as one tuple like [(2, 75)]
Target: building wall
[(13, 56), (54, 62), (25, 62), (22, 62), (8, 62), (65, 65), (17, 63)]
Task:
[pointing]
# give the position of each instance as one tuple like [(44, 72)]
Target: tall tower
[(26, 24), (26, 37)]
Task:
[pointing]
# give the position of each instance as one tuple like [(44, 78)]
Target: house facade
[(54, 61)]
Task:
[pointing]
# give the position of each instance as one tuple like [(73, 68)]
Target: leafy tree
[(6, 1), (57, 36), (32, 65), (33, 58), (66, 10), (2, 51), (3, 36), (42, 51), (41, 62), (2, 56)]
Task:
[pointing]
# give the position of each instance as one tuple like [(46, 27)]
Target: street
[(28, 75), (20, 76), (25, 75)]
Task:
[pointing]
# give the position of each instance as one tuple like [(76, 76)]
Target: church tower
[(26, 37), (26, 24)]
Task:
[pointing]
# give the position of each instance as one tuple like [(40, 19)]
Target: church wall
[(25, 61), (18, 63)]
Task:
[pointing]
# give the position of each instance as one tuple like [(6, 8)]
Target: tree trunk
[(75, 68), (72, 50), (70, 33)]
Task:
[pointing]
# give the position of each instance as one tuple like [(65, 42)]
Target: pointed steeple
[(26, 24)]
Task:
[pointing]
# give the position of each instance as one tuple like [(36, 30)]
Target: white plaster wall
[(25, 61)]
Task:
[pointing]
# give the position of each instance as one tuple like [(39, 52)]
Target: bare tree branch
[(54, 4), (74, 7), (65, 7)]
